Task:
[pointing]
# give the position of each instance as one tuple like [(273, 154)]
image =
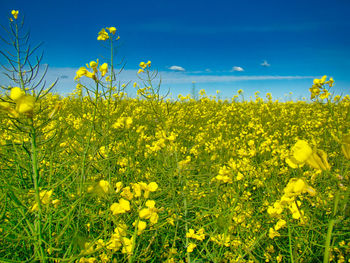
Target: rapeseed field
[(98, 176)]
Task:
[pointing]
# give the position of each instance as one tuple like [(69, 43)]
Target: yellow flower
[(93, 65), (127, 245), (143, 65), (5, 105), (273, 233), (14, 13), (151, 187), (56, 202), (112, 29), (190, 247), (45, 196), (102, 35), (104, 69), (140, 226), (296, 213), (280, 224), (84, 72), (318, 160), (25, 104), (302, 153), (120, 208), (105, 186), (330, 82), (16, 93), (140, 71), (81, 72), (150, 212)]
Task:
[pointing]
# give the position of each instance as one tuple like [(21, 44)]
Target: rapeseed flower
[(273, 233), (16, 93), (141, 225), (84, 72), (121, 207), (112, 29), (25, 104), (199, 235), (302, 153), (102, 35), (104, 69), (105, 186), (280, 224), (190, 247), (143, 66), (150, 212), (151, 187), (127, 245), (14, 13)]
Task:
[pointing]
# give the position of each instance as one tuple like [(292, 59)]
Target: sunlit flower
[(14, 13), (273, 233), (16, 93), (302, 153), (112, 29), (104, 69), (105, 186), (25, 104), (102, 35), (121, 207), (190, 247), (140, 226), (150, 212)]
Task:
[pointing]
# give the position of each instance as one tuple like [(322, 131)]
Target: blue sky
[(299, 40)]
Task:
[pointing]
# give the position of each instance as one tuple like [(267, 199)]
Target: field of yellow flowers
[(98, 176)]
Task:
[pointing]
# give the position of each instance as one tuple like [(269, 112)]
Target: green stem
[(186, 227), (19, 59), (328, 241), (37, 225), (82, 177), (330, 230), (290, 244)]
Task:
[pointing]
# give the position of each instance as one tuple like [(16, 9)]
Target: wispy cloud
[(184, 78), (67, 84), (265, 64), (176, 68), (235, 68)]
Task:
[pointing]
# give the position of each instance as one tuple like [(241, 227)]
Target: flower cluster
[(294, 188), (24, 103), (143, 66), (45, 199), (103, 34), (318, 89), (15, 14), (302, 153), (82, 71)]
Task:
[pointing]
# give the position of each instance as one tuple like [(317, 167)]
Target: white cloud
[(235, 68), (67, 84), (265, 64), (176, 68)]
